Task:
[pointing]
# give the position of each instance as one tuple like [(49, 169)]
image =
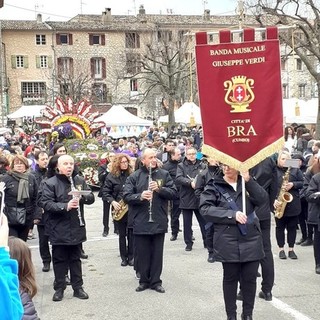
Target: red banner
[(240, 95)]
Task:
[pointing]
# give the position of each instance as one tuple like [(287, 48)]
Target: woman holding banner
[(237, 241)]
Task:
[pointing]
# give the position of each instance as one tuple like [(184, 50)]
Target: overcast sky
[(65, 9)]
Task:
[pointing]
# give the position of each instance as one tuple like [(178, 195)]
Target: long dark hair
[(20, 251), (52, 166)]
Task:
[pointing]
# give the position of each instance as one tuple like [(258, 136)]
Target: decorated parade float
[(73, 124)]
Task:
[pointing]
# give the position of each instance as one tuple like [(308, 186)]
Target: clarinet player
[(147, 192), (66, 225)]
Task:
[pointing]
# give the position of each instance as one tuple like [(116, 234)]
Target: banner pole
[(244, 209), (280, 28)]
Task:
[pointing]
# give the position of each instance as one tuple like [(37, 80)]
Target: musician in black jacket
[(112, 192), (171, 166), (66, 225), (40, 172), (147, 192), (212, 170), (187, 172)]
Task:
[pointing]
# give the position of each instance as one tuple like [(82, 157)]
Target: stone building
[(101, 58)]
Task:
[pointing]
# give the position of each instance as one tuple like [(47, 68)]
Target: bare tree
[(303, 39), (165, 67)]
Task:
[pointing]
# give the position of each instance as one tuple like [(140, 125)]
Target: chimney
[(106, 16), (207, 14), (39, 18), (142, 10)]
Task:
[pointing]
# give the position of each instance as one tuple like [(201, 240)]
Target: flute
[(73, 188), (150, 202)]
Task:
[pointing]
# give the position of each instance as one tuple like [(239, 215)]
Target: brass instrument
[(284, 196), (150, 202), (119, 214)]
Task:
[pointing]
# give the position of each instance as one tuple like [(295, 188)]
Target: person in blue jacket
[(10, 302)]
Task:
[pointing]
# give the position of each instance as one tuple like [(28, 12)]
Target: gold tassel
[(246, 165)]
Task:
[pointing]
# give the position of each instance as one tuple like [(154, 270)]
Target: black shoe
[(46, 267), (142, 287), (318, 269), (188, 247), (159, 289), (58, 295), (301, 241), (173, 237), (83, 255), (246, 317), (193, 238), (258, 274), (131, 262), (211, 258), (232, 317), (307, 243), (124, 263), (265, 295), (68, 282), (105, 233), (282, 255), (137, 276), (292, 255), (116, 232), (239, 296), (81, 294)]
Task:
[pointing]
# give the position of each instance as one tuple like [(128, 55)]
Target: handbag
[(16, 215)]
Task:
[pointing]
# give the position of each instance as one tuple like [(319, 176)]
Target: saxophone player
[(112, 192), (287, 181)]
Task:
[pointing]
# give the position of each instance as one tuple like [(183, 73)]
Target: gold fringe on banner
[(246, 165)]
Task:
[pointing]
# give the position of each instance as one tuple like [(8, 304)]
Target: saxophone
[(284, 196), (118, 214)]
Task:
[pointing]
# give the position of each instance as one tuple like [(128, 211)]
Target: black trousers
[(306, 229), (149, 249), (209, 238), (43, 244), (289, 224), (232, 273), (125, 240), (106, 214), (134, 248), (20, 232), (267, 263), (316, 245), (187, 225), (175, 214), (64, 258)]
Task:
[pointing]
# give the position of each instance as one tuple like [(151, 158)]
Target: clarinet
[(73, 188), (150, 202)]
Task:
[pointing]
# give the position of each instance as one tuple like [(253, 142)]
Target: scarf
[(23, 188)]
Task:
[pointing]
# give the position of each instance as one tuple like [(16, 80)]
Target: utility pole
[(241, 13)]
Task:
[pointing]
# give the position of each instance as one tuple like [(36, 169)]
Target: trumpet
[(150, 202)]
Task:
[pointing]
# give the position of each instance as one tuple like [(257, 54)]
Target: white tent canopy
[(300, 111), (184, 113), (27, 111), (121, 123)]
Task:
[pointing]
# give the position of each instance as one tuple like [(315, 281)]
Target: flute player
[(66, 225)]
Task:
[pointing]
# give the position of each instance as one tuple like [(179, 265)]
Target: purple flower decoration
[(75, 146), (93, 155)]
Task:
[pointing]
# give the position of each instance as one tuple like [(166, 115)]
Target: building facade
[(116, 59)]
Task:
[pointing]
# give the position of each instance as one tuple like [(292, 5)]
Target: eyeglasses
[(191, 154)]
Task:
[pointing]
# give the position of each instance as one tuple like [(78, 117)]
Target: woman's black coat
[(11, 193), (229, 245), (314, 200)]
